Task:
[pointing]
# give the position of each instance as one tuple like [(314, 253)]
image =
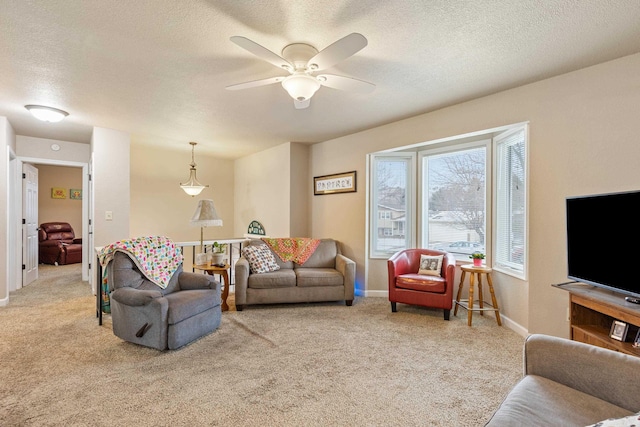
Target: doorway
[(81, 204)]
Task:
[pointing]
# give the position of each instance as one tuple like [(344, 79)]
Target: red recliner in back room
[(58, 244)]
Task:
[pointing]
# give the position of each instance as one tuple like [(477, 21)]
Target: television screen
[(603, 233)]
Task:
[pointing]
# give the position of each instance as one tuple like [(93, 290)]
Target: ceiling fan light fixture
[(46, 114), (301, 86)]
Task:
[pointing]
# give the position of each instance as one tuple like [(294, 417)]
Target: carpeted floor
[(285, 365)]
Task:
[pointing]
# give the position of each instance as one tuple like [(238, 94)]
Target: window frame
[(499, 264), (423, 210), (410, 216)]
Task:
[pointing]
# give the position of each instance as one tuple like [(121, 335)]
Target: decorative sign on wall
[(255, 228), (75, 194), (336, 183), (58, 193)]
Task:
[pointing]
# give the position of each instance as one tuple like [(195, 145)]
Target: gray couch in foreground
[(144, 313), (326, 276), (569, 383)]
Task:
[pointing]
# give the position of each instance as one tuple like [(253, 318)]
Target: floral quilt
[(296, 249), (157, 257)]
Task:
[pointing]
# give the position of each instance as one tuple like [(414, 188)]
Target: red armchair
[(408, 287), (58, 244)]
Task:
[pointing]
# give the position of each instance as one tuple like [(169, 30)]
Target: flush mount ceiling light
[(46, 114), (192, 187)]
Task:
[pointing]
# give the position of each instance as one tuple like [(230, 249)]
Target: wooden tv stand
[(593, 310)]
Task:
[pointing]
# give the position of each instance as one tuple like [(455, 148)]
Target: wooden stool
[(468, 304)]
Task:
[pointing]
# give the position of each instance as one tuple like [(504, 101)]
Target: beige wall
[(111, 183), (160, 206), (583, 140), (263, 191), (274, 188), (59, 210)]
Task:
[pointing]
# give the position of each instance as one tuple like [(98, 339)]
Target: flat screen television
[(603, 234)]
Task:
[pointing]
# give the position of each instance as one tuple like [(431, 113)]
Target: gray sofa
[(569, 383), (145, 314), (326, 276)]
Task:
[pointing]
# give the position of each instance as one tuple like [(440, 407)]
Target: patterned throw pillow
[(630, 421), (261, 259), (430, 265)]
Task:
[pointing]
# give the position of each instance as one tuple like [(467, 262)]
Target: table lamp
[(205, 216)]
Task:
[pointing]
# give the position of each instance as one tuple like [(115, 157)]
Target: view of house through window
[(463, 187), (391, 202), (454, 201)]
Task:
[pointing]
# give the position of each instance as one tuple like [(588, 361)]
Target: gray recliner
[(144, 313)]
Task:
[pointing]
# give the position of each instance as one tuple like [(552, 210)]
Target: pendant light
[(192, 187)]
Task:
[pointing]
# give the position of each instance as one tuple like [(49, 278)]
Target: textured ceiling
[(158, 68)]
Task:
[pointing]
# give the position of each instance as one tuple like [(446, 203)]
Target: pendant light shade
[(192, 187)]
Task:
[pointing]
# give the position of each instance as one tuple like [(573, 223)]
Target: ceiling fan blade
[(300, 105), (336, 52), (255, 83), (348, 84), (262, 52)]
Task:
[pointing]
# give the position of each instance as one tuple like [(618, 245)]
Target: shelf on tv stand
[(593, 310)]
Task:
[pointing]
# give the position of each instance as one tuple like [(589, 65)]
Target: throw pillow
[(430, 264), (261, 259), (630, 421)]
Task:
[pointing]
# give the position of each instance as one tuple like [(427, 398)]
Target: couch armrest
[(190, 281), (134, 297), (242, 281), (347, 268), (605, 374)]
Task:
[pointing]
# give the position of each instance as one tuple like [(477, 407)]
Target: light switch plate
[(108, 215)]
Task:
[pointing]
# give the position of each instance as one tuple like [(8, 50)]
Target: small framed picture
[(619, 330), (636, 342)]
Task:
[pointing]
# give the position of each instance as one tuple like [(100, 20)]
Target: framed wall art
[(336, 183), (75, 194), (58, 193)]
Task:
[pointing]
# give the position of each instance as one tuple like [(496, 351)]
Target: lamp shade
[(301, 86), (206, 215)]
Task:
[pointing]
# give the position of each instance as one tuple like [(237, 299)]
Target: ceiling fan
[(302, 61)]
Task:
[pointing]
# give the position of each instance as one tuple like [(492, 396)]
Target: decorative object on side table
[(217, 254), (619, 330), (477, 258), (636, 342)]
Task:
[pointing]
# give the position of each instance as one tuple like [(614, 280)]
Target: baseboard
[(506, 321)]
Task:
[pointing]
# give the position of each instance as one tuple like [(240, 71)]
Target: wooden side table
[(222, 271), (468, 304)]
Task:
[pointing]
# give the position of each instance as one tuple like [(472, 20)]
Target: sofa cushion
[(261, 259), (185, 304), (318, 277), (421, 282), (284, 278), (323, 257), (537, 401)]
